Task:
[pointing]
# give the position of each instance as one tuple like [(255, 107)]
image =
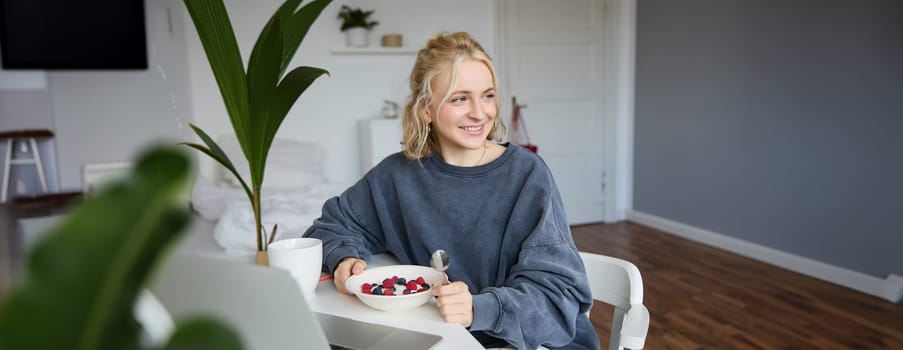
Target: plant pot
[(357, 37), (262, 258)]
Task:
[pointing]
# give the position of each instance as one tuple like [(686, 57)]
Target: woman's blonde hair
[(443, 51)]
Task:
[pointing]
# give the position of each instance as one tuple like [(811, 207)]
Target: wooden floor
[(701, 297)]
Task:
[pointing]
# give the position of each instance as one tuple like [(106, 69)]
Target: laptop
[(267, 309)]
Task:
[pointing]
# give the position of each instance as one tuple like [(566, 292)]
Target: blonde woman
[(493, 207)]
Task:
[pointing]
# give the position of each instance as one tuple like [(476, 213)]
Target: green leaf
[(82, 280), (231, 169), (218, 152), (296, 26), (203, 334), (218, 38), (288, 8), (214, 151), (290, 89), (263, 76), (286, 11)]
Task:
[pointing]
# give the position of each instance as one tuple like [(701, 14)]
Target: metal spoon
[(440, 261)]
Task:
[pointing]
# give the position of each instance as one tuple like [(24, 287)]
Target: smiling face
[(466, 115)]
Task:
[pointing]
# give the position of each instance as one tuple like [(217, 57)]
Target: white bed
[(223, 225), (293, 194)]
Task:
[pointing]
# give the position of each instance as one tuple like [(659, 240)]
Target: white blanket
[(294, 210)]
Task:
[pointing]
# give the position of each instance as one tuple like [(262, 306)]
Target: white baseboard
[(893, 288), (890, 288)]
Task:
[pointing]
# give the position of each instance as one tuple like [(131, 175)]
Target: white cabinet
[(379, 138)]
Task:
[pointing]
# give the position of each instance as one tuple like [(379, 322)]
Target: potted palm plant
[(259, 98), (356, 24)]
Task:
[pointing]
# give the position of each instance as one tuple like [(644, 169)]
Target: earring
[(425, 131)]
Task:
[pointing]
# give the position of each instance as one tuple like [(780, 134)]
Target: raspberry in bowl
[(394, 287)]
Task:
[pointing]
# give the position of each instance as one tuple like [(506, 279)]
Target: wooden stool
[(31, 137)]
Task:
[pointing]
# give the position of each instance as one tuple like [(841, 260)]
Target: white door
[(551, 59)]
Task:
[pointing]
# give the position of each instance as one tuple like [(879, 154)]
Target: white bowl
[(393, 302)]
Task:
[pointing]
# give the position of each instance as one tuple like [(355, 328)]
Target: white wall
[(328, 112), (107, 116), (25, 104), (103, 116), (24, 108)]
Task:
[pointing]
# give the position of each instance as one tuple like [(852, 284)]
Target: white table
[(199, 241), (424, 318)]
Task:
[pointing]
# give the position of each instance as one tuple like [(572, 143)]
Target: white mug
[(302, 258)]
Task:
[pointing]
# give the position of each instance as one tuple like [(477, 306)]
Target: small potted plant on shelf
[(356, 25)]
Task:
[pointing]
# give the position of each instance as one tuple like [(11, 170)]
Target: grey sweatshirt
[(503, 225)]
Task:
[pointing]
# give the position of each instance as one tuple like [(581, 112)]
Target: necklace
[(481, 156)]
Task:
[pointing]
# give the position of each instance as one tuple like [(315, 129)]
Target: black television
[(73, 34)]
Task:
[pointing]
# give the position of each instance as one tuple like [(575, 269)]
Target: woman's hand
[(455, 303), (347, 267)]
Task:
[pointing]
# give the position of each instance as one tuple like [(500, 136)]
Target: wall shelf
[(373, 51)]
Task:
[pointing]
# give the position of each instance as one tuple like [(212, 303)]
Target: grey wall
[(775, 122)]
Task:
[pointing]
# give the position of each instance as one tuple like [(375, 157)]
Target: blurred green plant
[(355, 18), (257, 101), (80, 283)]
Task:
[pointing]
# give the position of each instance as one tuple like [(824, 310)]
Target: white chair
[(618, 283)]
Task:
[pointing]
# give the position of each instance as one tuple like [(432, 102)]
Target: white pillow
[(290, 164), (210, 198)]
